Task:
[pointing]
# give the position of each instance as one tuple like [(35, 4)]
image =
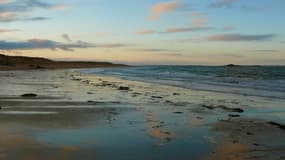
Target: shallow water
[(266, 81)]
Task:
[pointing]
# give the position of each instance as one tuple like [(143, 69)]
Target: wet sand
[(76, 116)]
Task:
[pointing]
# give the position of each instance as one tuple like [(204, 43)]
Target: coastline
[(10, 63), (74, 114)]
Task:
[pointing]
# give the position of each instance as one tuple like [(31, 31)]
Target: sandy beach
[(70, 115)]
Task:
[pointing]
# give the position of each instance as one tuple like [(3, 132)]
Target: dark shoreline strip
[(281, 126)]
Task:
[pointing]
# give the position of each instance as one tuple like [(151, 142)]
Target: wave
[(267, 81)]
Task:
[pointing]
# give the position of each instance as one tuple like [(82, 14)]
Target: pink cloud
[(61, 7), (199, 19), (162, 8), (8, 30), (145, 32), (199, 22), (186, 29), (4, 1)]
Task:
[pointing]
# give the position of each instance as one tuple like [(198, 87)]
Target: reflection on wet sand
[(229, 151), (247, 139), (154, 128), (195, 121), (18, 145)]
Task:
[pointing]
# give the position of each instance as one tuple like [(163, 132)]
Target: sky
[(145, 32)]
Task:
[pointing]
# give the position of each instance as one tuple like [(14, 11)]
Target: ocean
[(264, 81)]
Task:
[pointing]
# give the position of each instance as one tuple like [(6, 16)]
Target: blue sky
[(146, 31)]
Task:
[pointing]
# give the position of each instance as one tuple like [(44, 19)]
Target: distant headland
[(25, 63)]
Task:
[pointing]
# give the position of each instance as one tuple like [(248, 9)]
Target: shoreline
[(224, 89)]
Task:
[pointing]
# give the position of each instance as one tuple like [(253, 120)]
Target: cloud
[(8, 30), (166, 7), (174, 30), (232, 55), (61, 7), (186, 29), (251, 8), (222, 3), (171, 54), (49, 44), (240, 37), (188, 40), (66, 37), (199, 19), (230, 3), (267, 51), (34, 19), (145, 32), (157, 50), (199, 22), (4, 1), (13, 18), (160, 9), (20, 10)]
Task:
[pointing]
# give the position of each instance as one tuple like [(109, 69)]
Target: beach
[(69, 114)]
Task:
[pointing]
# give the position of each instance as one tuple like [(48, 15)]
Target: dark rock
[(199, 117), (157, 126), (122, 88), (281, 126), (114, 113), (208, 107), (159, 97), (234, 115), (239, 110), (235, 141), (176, 94), (39, 67), (178, 112), (249, 133), (29, 95), (76, 79), (166, 132), (168, 139), (231, 65)]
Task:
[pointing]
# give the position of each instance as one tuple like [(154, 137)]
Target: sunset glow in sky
[(210, 32)]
